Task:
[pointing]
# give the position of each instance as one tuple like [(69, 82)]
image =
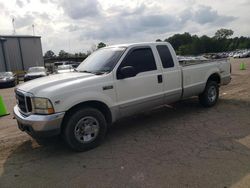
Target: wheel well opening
[(104, 109), (214, 77)]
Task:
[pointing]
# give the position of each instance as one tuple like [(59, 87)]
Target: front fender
[(78, 98)]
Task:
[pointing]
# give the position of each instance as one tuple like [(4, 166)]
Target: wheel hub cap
[(86, 129), (212, 94)]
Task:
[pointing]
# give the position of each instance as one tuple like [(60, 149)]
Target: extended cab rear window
[(165, 55)]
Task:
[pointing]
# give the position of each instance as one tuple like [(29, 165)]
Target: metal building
[(19, 52)]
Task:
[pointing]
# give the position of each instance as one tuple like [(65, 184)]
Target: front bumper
[(28, 78), (6, 82), (39, 125)]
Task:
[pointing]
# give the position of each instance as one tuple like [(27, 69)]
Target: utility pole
[(33, 28), (69, 45), (13, 24)]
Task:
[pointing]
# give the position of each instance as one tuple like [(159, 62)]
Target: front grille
[(24, 102), (29, 105)]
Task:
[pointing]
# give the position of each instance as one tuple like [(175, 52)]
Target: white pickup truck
[(112, 83)]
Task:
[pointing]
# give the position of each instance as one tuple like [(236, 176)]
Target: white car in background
[(237, 55), (64, 69), (35, 72), (245, 54)]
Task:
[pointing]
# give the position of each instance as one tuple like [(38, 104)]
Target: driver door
[(143, 91)]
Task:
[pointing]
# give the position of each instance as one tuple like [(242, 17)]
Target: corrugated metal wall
[(32, 52), (21, 53), (12, 54), (2, 63)]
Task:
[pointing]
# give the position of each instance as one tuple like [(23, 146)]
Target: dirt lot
[(182, 146)]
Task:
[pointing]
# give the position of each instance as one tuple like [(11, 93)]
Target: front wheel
[(210, 95), (84, 129)]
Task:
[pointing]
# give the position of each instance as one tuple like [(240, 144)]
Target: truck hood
[(43, 85)]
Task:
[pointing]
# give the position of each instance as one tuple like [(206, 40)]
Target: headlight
[(42, 106)]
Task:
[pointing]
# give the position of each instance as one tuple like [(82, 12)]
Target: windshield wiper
[(101, 72), (96, 73), (84, 71)]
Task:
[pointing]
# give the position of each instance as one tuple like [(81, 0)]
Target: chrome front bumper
[(39, 125)]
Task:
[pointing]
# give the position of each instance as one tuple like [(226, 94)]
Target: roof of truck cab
[(136, 44)]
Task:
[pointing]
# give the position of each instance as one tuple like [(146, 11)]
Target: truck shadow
[(209, 146)]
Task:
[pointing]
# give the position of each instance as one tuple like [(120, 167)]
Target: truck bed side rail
[(185, 63)]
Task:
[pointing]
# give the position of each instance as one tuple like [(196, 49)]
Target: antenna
[(69, 45), (13, 24), (33, 28)]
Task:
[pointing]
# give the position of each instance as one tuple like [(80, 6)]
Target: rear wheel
[(210, 95), (84, 129)]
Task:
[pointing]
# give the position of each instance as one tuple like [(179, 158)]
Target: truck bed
[(196, 72), (185, 63)]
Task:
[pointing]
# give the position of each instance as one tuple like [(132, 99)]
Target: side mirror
[(127, 72)]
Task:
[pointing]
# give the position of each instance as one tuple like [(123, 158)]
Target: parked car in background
[(8, 79), (64, 69), (35, 72), (245, 54), (237, 55)]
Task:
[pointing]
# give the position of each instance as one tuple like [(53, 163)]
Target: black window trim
[(130, 51)]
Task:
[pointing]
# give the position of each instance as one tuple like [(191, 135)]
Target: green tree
[(82, 55), (186, 49), (178, 40), (223, 33), (49, 54), (101, 45), (185, 44), (62, 53), (158, 40)]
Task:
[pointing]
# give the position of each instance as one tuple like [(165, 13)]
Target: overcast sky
[(76, 25)]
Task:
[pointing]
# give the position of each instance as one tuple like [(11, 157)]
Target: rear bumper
[(39, 125)]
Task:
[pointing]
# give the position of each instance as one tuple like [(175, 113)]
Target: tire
[(210, 95), (84, 129)]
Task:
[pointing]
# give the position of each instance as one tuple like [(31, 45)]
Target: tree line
[(187, 44), (184, 44), (63, 54)]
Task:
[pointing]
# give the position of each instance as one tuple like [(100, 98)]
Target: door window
[(141, 59)]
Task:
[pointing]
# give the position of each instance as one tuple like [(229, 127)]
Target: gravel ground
[(184, 145)]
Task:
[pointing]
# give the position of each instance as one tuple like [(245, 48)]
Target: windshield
[(103, 60), (5, 74), (64, 67), (36, 69)]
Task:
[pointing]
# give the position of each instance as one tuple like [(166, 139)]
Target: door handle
[(159, 78)]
